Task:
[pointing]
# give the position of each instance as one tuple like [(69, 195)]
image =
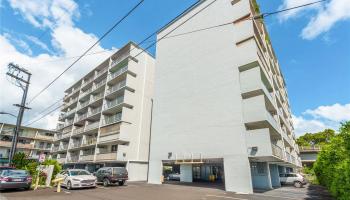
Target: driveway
[(143, 191)]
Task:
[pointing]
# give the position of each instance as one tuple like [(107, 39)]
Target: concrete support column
[(237, 174), (155, 172), (261, 176), (275, 178), (186, 173)]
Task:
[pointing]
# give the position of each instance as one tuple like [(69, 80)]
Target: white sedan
[(77, 178)]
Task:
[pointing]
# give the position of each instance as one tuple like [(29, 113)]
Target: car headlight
[(74, 179)]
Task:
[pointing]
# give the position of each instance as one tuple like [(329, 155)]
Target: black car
[(111, 175), (14, 179)]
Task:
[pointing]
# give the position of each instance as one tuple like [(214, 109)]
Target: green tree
[(332, 166), (57, 167), (319, 138)]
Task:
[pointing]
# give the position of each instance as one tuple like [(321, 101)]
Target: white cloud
[(323, 17), (321, 118), (36, 41), (67, 39), (336, 112)]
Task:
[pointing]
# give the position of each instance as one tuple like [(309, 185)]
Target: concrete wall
[(198, 105), (308, 156), (137, 171)]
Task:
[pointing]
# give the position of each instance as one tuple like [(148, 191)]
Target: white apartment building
[(221, 106), (31, 141), (105, 120)]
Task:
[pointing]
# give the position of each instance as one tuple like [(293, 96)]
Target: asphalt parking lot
[(143, 191)]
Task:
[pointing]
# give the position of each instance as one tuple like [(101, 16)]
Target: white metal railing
[(99, 84), (92, 126), (63, 147), (95, 111), (101, 72), (116, 87), (74, 145), (120, 59), (74, 158), (116, 101), (78, 130), (288, 157), (83, 116), (112, 119), (118, 72), (86, 92), (84, 104), (87, 157), (277, 151), (88, 81), (89, 141), (97, 97)]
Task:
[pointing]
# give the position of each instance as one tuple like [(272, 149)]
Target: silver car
[(77, 178), (14, 179)]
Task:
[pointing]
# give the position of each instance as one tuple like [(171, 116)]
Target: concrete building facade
[(31, 141), (105, 120), (308, 155), (221, 106)]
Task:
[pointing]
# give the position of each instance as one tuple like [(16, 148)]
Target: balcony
[(77, 131), (258, 113), (92, 126), (116, 87), (117, 73), (106, 156), (55, 148), (74, 145), (94, 111), (63, 147), (112, 119), (83, 105), (277, 151), (99, 73), (81, 117), (120, 59), (19, 145), (89, 142), (86, 158), (74, 158), (61, 160), (86, 92)]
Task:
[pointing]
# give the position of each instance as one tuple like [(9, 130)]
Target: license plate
[(16, 179)]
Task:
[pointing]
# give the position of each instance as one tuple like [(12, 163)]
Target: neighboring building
[(308, 155), (105, 120), (221, 105), (32, 141)]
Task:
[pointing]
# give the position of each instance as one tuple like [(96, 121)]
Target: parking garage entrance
[(209, 171)]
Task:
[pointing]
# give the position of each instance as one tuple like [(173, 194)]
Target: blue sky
[(316, 67)]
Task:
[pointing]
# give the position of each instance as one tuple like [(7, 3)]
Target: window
[(114, 148)]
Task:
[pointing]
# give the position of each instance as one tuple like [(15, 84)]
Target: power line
[(285, 10), (44, 115), (47, 108), (182, 23), (80, 57)]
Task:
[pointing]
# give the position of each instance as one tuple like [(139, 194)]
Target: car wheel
[(298, 184), (105, 182), (121, 183), (69, 185)]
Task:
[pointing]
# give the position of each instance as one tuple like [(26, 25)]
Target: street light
[(6, 113)]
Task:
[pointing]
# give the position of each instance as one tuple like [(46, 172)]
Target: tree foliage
[(332, 166), (318, 139)]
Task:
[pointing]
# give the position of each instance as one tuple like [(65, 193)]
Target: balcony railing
[(78, 130), (110, 129), (86, 92), (116, 87), (84, 104), (97, 97), (55, 148), (95, 111), (75, 145), (277, 151), (118, 72), (61, 160), (101, 72), (87, 157), (63, 147), (74, 158), (92, 126), (312, 148), (115, 118), (99, 84), (81, 117), (107, 156), (120, 59), (117, 101), (88, 81), (19, 145), (88, 142)]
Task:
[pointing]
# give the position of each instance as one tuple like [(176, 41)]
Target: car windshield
[(76, 173), (14, 173)]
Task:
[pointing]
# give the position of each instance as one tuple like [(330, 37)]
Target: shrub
[(332, 166), (57, 167)]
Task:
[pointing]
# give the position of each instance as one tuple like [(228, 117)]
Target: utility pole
[(21, 78)]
